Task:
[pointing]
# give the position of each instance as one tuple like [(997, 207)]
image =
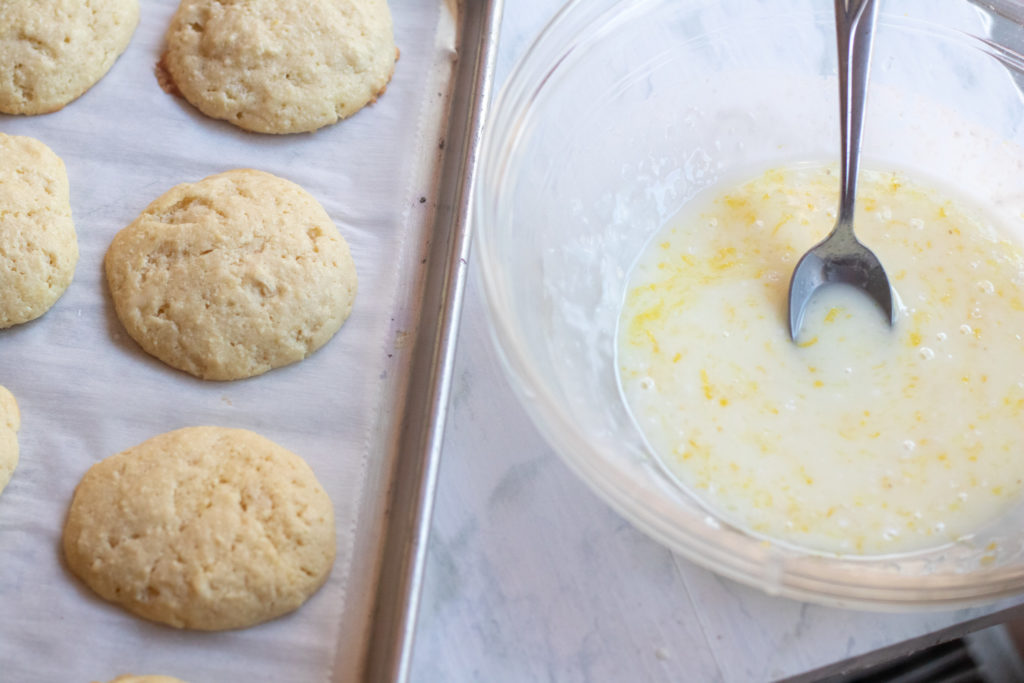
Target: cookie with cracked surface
[(203, 528), (38, 245), (232, 276), (10, 423), (52, 51), (280, 66)]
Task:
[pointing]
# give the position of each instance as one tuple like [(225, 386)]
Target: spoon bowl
[(842, 259)]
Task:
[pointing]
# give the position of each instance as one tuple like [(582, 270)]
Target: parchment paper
[(86, 390)]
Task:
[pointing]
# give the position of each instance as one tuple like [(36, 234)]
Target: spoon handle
[(855, 24)]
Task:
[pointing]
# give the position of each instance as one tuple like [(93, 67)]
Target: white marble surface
[(531, 577)]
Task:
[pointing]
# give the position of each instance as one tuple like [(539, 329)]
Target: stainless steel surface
[(840, 257), (418, 448)]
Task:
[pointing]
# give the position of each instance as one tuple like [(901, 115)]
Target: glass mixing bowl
[(623, 111)]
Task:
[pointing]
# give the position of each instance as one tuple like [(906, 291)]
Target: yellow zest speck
[(724, 259), (654, 342), (785, 219), (734, 202)]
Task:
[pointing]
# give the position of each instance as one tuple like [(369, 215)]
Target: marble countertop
[(531, 577)]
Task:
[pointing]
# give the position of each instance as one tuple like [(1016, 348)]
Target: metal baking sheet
[(365, 411)]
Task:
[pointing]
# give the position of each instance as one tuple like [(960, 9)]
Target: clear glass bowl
[(621, 112)]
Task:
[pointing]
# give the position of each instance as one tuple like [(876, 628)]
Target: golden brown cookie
[(38, 245), (52, 51), (204, 527), (232, 276), (280, 66)]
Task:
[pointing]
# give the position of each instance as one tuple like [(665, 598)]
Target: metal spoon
[(840, 257)]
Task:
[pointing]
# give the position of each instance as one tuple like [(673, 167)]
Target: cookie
[(52, 51), (10, 423), (203, 528), (38, 246), (129, 678), (231, 276), (280, 66)]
